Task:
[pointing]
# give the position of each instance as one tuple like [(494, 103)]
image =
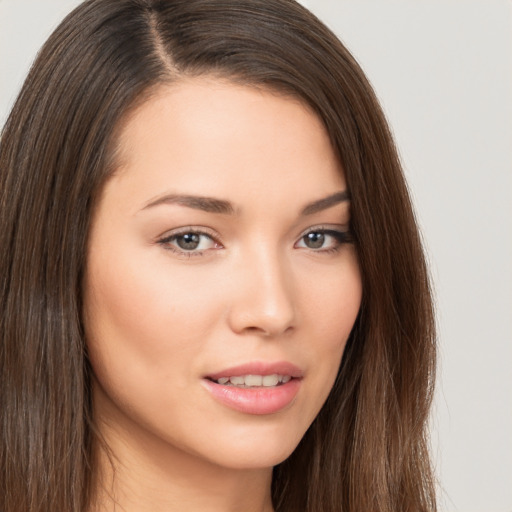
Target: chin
[(255, 458), (255, 448)]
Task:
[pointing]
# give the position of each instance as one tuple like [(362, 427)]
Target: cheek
[(331, 306), (144, 319), (145, 326), (137, 296)]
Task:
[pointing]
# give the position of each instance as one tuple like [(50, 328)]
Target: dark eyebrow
[(326, 202), (213, 205), (207, 204)]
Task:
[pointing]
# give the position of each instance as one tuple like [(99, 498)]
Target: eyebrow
[(206, 204), (325, 203), (221, 206)]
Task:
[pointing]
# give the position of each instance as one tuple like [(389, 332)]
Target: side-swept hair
[(367, 449)]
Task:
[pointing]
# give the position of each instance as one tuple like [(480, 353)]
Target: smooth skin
[(174, 292)]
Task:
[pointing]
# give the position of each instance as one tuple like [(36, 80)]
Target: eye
[(189, 242), (321, 240), (315, 240)]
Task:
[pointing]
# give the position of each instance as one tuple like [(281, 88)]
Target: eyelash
[(165, 242), (341, 238)]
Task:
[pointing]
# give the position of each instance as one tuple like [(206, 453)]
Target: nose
[(263, 302)]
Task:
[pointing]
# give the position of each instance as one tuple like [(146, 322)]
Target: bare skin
[(222, 240)]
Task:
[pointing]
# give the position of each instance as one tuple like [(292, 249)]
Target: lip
[(257, 400), (259, 368)]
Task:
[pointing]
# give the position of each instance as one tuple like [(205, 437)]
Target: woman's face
[(221, 283)]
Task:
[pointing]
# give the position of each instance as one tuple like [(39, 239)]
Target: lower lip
[(259, 400)]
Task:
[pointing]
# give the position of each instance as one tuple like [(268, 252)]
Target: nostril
[(268, 331)]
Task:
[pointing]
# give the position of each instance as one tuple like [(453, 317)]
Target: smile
[(253, 381), (257, 387)]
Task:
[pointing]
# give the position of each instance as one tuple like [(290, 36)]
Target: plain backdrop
[(443, 71)]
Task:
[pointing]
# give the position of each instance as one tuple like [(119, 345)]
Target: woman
[(213, 290)]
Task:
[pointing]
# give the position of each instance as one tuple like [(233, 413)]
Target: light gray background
[(443, 71)]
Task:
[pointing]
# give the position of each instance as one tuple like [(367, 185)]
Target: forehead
[(214, 137)]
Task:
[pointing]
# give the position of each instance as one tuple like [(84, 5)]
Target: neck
[(146, 477)]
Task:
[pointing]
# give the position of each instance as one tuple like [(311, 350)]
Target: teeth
[(255, 381), (270, 380)]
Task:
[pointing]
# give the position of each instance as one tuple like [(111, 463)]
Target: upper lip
[(259, 368)]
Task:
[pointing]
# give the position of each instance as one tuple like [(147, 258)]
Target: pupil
[(314, 240), (188, 241)]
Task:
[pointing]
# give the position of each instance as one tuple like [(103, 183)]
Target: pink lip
[(258, 400), (259, 368)]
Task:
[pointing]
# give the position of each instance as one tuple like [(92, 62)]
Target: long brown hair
[(367, 450)]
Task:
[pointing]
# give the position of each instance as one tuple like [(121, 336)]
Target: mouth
[(256, 388), (253, 381)]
